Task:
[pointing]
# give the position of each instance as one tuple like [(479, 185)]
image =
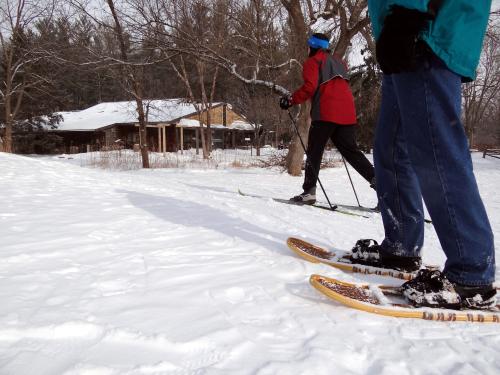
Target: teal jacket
[(455, 35)]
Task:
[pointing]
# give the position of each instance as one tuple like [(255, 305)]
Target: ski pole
[(332, 207), (356, 195)]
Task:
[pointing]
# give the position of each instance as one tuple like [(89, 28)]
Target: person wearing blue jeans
[(421, 151)]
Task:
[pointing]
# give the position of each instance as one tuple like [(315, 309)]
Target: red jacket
[(333, 101)]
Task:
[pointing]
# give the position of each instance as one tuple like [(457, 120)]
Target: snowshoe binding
[(368, 252), (431, 288)]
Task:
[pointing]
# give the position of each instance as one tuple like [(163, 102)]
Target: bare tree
[(205, 22), (258, 107), (127, 64), (16, 19), (202, 107), (212, 36), (132, 79), (481, 96)]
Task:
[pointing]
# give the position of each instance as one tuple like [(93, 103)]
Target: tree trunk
[(209, 128), (132, 78), (257, 142), (143, 136), (7, 147), (299, 28), (295, 157), (7, 140), (203, 138), (209, 139)]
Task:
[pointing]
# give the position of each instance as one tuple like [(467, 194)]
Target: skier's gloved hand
[(397, 43), (286, 102)]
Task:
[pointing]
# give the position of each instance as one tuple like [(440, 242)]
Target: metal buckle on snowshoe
[(479, 303)]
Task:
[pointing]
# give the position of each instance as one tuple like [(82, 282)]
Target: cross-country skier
[(333, 115), (425, 50)]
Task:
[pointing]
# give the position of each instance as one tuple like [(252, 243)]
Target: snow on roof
[(187, 122), (241, 125), (105, 114), (238, 124), (217, 126)]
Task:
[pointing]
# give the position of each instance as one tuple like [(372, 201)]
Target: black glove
[(397, 44), (286, 102)]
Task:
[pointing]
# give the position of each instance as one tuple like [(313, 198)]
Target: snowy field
[(171, 271)]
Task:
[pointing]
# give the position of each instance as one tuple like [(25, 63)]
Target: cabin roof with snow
[(169, 111)]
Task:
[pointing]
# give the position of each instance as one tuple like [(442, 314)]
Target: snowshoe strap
[(365, 249), (481, 301)]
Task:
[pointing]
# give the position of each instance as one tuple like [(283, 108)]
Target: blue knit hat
[(318, 41)]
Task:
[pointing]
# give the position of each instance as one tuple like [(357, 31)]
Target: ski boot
[(307, 197)]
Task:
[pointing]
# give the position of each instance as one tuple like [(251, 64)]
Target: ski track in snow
[(173, 272)]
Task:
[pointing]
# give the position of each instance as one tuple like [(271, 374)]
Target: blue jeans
[(421, 151)]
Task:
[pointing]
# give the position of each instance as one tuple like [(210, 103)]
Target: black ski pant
[(344, 139)]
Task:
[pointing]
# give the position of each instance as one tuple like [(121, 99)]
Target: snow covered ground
[(173, 272)]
